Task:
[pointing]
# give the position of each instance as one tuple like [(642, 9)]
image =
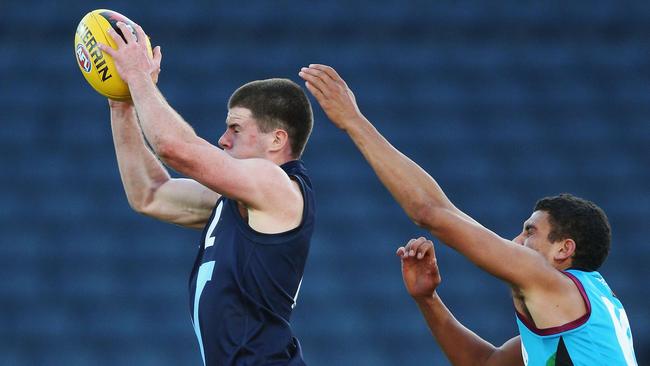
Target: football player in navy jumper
[(252, 198)]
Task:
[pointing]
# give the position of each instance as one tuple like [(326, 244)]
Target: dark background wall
[(503, 102)]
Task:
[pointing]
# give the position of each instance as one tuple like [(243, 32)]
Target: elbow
[(428, 217), (139, 205), (144, 209), (421, 214), (176, 153), (166, 149), (143, 201)]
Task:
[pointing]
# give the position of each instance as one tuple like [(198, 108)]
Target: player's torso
[(244, 284), (601, 338)]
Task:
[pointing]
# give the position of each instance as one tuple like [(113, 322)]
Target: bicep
[(509, 354), (183, 202)]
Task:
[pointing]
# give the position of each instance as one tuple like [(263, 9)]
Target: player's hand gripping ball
[(96, 66)]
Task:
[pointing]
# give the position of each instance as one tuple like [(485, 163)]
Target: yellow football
[(98, 67)]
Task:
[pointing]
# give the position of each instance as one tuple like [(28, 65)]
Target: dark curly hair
[(583, 221)]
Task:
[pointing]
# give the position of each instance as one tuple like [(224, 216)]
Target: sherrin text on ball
[(96, 66)]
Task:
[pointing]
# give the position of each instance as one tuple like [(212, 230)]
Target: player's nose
[(223, 142)]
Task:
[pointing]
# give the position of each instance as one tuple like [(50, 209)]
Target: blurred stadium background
[(504, 102)]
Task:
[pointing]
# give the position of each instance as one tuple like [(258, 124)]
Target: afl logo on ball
[(83, 58)]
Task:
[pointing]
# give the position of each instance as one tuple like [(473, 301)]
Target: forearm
[(163, 127), (415, 190), (460, 345), (140, 170), (428, 206)]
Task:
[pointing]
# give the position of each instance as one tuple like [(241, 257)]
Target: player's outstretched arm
[(259, 184), (460, 345), (147, 184), (391, 166), (419, 194)]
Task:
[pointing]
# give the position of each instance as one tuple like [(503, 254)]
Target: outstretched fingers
[(127, 33), (325, 71), (329, 71), (318, 79), (320, 97), (141, 36), (106, 48), (119, 41)]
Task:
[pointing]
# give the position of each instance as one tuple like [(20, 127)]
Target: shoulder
[(260, 175), (274, 186), (263, 169)]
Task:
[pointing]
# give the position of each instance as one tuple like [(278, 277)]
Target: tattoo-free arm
[(147, 184), (419, 194), (461, 346), (259, 184)]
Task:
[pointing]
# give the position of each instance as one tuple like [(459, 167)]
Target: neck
[(564, 266), (280, 158)]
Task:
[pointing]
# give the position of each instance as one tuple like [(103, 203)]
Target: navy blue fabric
[(247, 282)]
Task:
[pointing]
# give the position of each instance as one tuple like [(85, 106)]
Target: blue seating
[(503, 104)]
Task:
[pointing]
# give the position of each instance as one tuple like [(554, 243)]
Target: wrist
[(121, 106), (356, 124), (426, 299), (136, 76), (115, 104), (121, 109), (140, 84)]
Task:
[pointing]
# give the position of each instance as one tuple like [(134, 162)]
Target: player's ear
[(280, 140), (565, 250)]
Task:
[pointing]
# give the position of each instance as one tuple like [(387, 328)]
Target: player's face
[(535, 234), (242, 138)]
